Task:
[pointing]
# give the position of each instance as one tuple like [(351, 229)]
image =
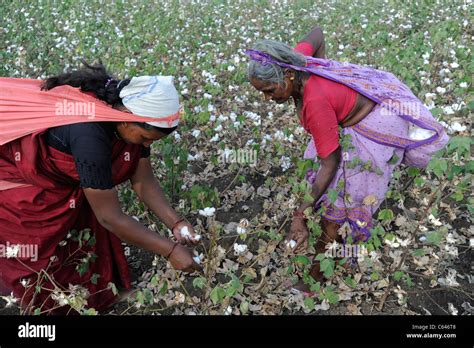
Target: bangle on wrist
[(176, 224), (172, 249)]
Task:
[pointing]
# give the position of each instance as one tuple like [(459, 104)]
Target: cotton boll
[(434, 221), (452, 309), (456, 127), (291, 244), (209, 211), (185, 232), (239, 249), (285, 163), (391, 243), (448, 110)]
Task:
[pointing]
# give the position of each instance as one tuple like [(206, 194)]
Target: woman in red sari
[(57, 186)]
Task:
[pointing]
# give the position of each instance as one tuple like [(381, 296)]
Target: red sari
[(40, 203)]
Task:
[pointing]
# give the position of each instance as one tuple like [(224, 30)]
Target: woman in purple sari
[(384, 121)]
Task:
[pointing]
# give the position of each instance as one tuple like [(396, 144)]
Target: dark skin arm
[(329, 165), (149, 191), (106, 207), (316, 38)]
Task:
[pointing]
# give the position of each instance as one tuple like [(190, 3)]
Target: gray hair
[(272, 72)]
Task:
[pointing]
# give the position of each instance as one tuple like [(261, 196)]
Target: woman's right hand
[(299, 233), (181, 259)]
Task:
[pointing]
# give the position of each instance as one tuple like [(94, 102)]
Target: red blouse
[(325, 104)]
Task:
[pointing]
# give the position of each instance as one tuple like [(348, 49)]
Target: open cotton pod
[(184, 231), (291, 244)]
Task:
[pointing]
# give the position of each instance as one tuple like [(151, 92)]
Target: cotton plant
[(210, 74)]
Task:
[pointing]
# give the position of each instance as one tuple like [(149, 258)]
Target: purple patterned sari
[(399, 129)]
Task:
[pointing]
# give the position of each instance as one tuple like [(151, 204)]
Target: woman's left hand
[(185, 234)]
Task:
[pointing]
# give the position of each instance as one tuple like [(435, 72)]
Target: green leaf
[(385, 215), (148, 295), (394, 159), (94, 278), (82, 268), (398, 275), (199, 282), (413, 171), (434, 237), (332, 195), (332, 297), (419, 252), (163, 289), (309, 303), (458, 196), (244, 307), (320, 257), (154, 280), (140, 297), (419, 181), (91, 241), (438, 167), (112, 287), (217, 295), (316, 287), (374, 276), (436, 111), (90, 311), (327, 266), (302, 259), (350, 282), (462, 144), (87, 235)]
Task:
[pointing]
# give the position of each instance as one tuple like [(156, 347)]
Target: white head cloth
[(154, 97)]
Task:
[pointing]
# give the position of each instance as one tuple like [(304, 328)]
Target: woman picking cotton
[(386, 124), (59, 172)]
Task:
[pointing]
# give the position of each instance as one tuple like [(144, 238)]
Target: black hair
[(90, 78), (96, 79)]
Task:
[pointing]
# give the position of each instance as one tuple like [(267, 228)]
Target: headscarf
[(154, 97)]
